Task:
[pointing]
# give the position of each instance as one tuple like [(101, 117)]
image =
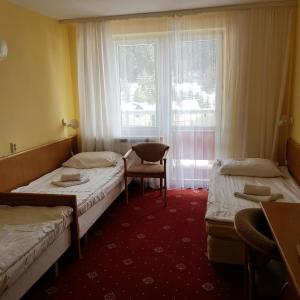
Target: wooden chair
[(149, 153), (252, 228)]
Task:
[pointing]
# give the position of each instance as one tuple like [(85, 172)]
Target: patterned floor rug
[(145, 251)]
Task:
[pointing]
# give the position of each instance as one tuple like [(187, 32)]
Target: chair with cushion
[(153, 165), (252, 228)]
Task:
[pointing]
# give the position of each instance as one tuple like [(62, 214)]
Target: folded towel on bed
[(70, 183), (255, 198), (70, 177), (258, 190)]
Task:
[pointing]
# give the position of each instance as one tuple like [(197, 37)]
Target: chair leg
[(142, 185), (251, 281), (246, 275), (165, 193), (126, 189), (85, 238), (160, 186), (249, 276), (284, 290), (56, 269)]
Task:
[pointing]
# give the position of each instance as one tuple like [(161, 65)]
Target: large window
[(193, 84)]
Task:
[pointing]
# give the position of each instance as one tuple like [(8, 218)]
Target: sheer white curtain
[(99, 107), (256, 61), (209, 85)]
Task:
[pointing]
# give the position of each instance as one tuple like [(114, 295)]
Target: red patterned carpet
[(145, 251)]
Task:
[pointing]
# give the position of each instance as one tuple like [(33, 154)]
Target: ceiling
[(67, 9)]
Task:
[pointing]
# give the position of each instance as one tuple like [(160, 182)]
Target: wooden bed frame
[(30, 165), (293, 159), (20, 169)]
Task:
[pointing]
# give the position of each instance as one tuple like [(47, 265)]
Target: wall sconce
[(3, 49), (73, 123)]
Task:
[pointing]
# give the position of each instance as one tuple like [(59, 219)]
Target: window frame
[(157, 39)]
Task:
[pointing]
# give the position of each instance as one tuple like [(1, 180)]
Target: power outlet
[(13, 148)]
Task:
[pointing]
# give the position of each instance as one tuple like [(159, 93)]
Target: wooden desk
[(284, 221)]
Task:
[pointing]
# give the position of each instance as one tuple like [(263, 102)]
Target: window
[(137, 82), (193, 88)]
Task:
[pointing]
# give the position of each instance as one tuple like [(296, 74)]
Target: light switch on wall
[(13, 148)]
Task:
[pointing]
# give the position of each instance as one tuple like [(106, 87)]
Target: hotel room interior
[(149, 149)]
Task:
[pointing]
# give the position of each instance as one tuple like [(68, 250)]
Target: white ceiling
[(66, 9)]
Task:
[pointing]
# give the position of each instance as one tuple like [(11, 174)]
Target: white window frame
[(158, 39)]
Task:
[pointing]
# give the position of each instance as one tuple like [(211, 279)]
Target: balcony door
[(169, 87)]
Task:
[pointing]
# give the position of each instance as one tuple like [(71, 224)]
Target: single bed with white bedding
[(222, 243), (26, 233), (103, 187)]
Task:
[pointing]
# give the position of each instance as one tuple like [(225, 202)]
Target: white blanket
[(101, 181), (223, 205), (25, 232)]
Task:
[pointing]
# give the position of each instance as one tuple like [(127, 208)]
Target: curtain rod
[(182, 11)]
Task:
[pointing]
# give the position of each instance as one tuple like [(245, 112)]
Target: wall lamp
[(3, 49), (73, 123)]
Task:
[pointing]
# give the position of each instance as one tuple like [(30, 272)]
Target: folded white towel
[(258, 190), (70, 183), (70, 177), (272, 197)]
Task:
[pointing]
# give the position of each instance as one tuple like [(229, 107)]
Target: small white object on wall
[(3, 49)]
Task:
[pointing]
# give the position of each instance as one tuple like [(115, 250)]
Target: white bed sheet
[(23, 240), (222, 205), (101, 181)]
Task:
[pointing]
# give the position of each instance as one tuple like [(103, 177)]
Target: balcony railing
[(204, 118)]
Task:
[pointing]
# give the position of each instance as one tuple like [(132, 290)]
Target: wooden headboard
[(293, 159), (22, 168)]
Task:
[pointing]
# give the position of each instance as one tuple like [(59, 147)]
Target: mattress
[(25, 232), (222, 205), (101, 182)]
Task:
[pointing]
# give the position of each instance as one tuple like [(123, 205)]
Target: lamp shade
[(73, 124)]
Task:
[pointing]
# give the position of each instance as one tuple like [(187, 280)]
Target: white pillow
[(253, 167), (89, 160)]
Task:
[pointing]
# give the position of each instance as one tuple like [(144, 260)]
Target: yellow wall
[(36, 89), (73, 57), (295, 130)]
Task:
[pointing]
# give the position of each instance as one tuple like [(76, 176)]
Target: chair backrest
[(151, 152), (251, 226)]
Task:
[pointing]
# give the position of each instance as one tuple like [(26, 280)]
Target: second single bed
[(223, 244)]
